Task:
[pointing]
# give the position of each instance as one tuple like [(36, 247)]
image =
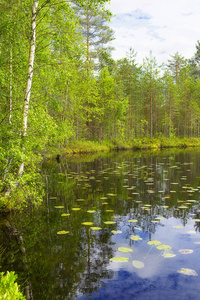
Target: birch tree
[(30, 76)]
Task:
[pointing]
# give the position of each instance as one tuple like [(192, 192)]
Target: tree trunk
[(30, 76), (10, 87)]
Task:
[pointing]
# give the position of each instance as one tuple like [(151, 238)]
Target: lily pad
[(109, 222), (109, 210), (116, 231), (120, 259), (150, 191), (195, 220), (177, 226), (186, 251), (182, 206), (62, 232), (125, 249), (87, 223), (95, 228), (135, 238), (137, 228), (91, 211), (59, 206), (188, 272), (133, 221), (76, 208), (169, 255), (154, 242), (65, 215), (163, 247), (138, 264)]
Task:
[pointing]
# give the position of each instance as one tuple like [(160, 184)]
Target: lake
[(122, 225)]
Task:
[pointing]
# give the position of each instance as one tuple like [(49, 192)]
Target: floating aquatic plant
[(59, 206), (168, 255), (76, 208), (125, 249), (133, 221), (120, 259), (62, 232), (95, 228), (138, 264), (163, 247), (186, 251), (109, 222), (135, 238), (154, 242), (183, 206), (116, 231), (87, 223), (177, 226), (191, 231), (91, 211), (65, 215), (189, 272)]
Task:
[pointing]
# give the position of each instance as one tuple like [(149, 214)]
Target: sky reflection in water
[(159, 193)]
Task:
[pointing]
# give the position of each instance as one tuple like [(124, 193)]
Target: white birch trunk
[(30, 75)]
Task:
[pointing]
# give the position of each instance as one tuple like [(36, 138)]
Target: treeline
[(75, 90)]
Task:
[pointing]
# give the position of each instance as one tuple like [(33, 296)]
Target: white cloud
[(163, 26)]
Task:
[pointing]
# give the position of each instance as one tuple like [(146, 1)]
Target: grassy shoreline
[(84, 147)]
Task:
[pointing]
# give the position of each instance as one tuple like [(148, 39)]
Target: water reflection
[(125, 195)]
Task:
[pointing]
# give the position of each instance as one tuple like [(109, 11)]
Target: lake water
[(142, 208)]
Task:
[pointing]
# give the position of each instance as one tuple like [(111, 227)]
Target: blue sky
[(161, 26)]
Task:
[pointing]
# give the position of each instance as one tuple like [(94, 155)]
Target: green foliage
[(9, 289), (80, 93)]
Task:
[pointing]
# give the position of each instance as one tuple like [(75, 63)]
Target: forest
[(60, 88), (59, 85)]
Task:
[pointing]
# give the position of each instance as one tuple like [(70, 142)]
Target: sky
[(161, 26)]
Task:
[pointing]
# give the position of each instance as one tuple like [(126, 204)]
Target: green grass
[(83, 147)]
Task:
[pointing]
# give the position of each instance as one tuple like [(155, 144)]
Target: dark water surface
[(147, 197)]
